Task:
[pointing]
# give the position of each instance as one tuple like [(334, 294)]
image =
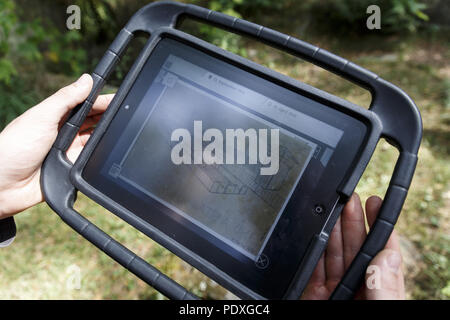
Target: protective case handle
[(397, 113)]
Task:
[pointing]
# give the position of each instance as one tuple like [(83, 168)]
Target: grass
[(38, 264)]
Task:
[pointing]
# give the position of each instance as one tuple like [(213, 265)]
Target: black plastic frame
[(392, 115)]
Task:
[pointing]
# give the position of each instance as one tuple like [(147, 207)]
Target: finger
[(57, 105), (85, 135), (394, 244), (353, 228), (384, 277), (78, 144), (101, 104), (334, 257), (90, 122), (373, 205)]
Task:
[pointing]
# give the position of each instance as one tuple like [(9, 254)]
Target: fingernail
[(394, 260), (83, 80)]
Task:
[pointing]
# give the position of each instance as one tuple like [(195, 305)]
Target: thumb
[(384, 277), (57, 105)]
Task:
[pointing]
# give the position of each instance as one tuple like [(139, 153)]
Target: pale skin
[(25, 142)]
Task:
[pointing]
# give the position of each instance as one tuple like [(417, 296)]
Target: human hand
[(345, 241), (25, 142)]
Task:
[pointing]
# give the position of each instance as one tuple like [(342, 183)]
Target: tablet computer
[(237, 169)]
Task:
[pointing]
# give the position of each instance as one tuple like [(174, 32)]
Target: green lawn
[(38, 264)]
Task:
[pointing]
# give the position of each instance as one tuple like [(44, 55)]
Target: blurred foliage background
[(38, 55)]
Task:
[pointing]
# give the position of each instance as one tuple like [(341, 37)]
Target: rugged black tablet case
[(392, 115)]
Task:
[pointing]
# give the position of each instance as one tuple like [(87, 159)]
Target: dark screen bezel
[(255, 279)]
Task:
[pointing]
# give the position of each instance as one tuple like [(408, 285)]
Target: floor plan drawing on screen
[(240, 179)]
